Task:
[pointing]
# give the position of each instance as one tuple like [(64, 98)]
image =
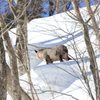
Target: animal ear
[(35, 51)]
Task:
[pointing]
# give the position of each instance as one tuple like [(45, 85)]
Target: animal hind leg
[(48, 59)]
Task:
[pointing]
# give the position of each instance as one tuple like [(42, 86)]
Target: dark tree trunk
[(3, 75), (51, 8)]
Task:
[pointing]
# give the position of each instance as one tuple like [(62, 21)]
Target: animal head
[(38, 54)]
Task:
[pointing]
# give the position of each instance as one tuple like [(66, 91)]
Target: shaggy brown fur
[(56, 53)]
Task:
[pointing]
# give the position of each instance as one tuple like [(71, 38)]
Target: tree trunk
[(93, 63), (3, 75), (51, 7), (13, 64), (21, 42), (95, 26), (57, 6), (24, 95), (13, 85)]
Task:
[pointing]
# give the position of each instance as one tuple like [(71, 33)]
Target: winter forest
[(33, 33)]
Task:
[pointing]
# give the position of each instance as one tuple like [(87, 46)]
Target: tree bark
[(24, 95), (3, 75), (13, 86), (95, 26), (23, 60), (13, 64), (21, 42), (51, 7), (57, 6), (93, 63)]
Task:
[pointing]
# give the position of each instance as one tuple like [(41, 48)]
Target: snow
[(75, 91), (61, 80)]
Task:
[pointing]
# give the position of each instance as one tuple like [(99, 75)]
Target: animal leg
[(60, 58), (65, 56), (48, 60)]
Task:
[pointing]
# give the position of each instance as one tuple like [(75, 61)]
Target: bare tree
[(3, 72), (94, 23), (24, 95), (13, 86), (13, 64), (19, 58), (93, 63), (23, 62), (58, 6), (51, 7), (21, 43)]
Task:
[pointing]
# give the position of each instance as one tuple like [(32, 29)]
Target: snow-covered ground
[(61, 80)]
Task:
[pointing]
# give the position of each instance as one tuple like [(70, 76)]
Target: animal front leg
[(48, 59), (60, 58), (65, 56)]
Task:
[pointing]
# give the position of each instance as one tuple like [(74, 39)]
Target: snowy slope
[(64, 76), (75, 91)]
